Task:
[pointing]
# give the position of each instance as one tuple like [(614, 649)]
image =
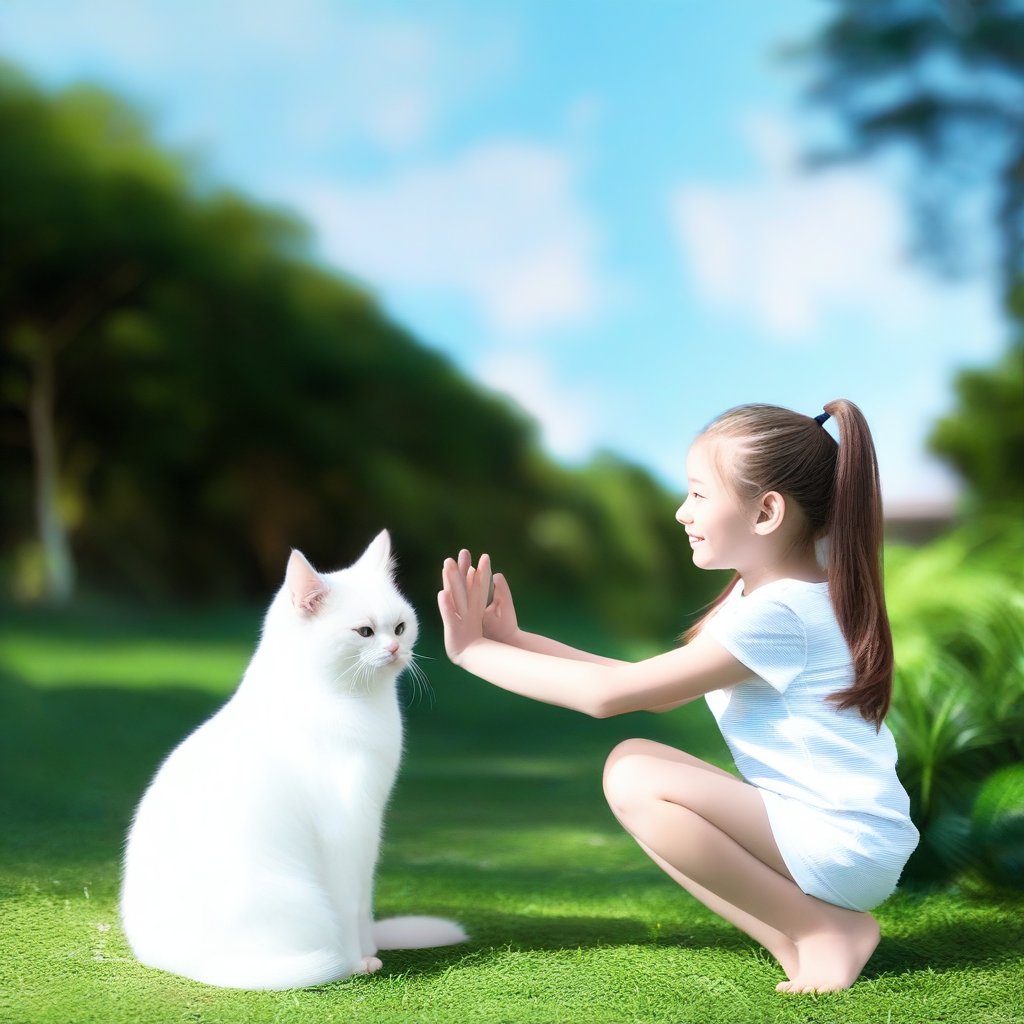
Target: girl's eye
[(365, 631), (400, 629)]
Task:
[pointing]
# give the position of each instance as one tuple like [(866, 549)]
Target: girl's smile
[(718, 526)]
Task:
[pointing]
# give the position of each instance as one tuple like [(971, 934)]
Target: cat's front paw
[(368, 965)]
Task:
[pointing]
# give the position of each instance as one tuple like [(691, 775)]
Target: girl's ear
[(771, 510), (305, 585)]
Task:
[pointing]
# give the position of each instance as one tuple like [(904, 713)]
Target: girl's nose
[(681, 517)]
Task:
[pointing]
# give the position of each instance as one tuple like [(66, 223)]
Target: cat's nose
[(393, 647)]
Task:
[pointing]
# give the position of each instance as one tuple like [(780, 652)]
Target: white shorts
[(847, 858)]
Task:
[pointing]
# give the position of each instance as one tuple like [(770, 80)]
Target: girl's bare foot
[(788, 956), (833, 959)]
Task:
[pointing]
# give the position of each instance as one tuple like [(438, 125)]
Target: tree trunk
[(58, 562)]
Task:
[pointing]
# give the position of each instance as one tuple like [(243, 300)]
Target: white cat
[(251, 858)]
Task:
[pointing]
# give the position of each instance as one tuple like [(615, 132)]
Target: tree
[(984, 439), (90, 209), (188, 395), (944, 82)]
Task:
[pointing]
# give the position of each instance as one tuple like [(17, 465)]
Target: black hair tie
[(821, 417)]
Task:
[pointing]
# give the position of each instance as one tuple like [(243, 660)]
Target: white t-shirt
[(785, 736)]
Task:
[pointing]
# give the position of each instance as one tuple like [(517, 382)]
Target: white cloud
[(788, 249), (568, 417), (95, 35), (311, 71), (498, 225), (372, 74)]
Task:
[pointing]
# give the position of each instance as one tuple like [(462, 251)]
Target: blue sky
[(591, 205)]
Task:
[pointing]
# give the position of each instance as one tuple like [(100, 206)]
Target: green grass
[(497, 820)]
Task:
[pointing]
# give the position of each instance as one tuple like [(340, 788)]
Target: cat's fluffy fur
[(251, 858)]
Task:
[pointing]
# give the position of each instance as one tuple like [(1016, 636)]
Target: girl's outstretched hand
[(462, 601), (500, 622)]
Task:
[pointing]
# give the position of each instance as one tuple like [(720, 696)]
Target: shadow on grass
[(953, 945), (499, 935), (74, 762), (935, 948)]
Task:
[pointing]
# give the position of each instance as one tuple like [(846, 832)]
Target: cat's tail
[(416, 932)]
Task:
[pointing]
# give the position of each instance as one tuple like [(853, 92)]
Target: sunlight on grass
[(210, 667)]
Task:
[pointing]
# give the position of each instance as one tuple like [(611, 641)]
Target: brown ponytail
[(855, 566), (837, 487)]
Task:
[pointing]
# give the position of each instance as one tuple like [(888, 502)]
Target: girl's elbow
[(603, 708), (609, 700)]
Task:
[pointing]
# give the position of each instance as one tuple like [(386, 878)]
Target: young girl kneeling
[(796, 665)]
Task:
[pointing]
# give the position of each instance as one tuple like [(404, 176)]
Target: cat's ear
[(305, 585), (377, 556)]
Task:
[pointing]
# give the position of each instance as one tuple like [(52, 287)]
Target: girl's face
[(719, 525)]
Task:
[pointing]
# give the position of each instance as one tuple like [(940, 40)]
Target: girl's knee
[(628, 748), (626, 776), (621, 751)]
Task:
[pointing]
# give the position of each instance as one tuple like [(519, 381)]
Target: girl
[(795, 662)]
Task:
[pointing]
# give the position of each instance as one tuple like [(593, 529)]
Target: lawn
[(497, 820)]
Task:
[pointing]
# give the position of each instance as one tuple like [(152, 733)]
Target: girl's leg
[(713, 830), (780, 946)]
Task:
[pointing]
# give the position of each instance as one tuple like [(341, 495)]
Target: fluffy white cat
[(251, 858)]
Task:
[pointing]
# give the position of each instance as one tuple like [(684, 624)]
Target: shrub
[(957, 612), (998, 826)]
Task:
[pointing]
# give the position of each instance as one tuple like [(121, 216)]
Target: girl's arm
[(545, 645), (500, 622), (596, 689)]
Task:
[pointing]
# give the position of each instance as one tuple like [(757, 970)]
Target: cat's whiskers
[(420, 682), (354, 658), (364, 677), (356, 667), (360, 675)]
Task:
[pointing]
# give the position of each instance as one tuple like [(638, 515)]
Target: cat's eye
[(365, 631), (400, 629)]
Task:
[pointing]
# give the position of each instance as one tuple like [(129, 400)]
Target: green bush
[(957, 612), (998, 825)]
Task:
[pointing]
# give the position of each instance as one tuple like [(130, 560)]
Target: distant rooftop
[(917, 522)]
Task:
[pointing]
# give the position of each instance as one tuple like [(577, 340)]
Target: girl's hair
[(837, 487)]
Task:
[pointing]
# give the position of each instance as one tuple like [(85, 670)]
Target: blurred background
[(278, 276)]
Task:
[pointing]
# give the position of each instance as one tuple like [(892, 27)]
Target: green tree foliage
[(87, 211), (185, 395), (984, 438), (943, 81)]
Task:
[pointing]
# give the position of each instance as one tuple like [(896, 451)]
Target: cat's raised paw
[(369, 964)]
